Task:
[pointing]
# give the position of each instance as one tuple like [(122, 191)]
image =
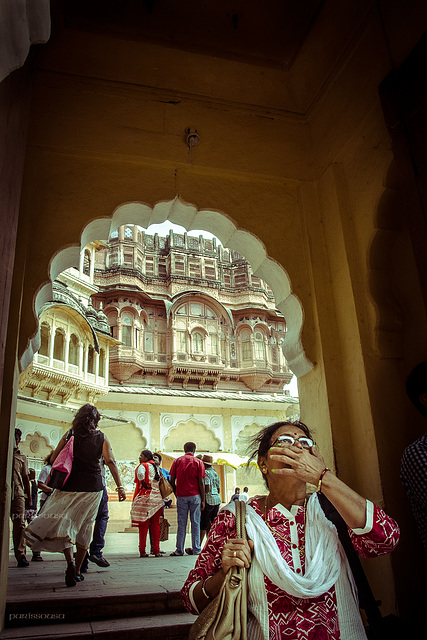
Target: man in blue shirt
[(212, 496)]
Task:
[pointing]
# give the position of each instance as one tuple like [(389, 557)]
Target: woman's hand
[(236, 553), (304, 464)]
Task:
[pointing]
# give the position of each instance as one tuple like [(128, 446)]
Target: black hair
[(149, 455), (237, 489), (18, 433), (416, 385), (86, 420), (189, 447), (245, 489), (261, 443)]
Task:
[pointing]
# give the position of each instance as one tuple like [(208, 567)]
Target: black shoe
[(79, 577), (23, 562), (189, 550), (70, 575), (100, 561), (175, 553)]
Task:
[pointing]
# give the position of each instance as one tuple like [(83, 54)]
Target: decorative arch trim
[(212, 423), (188, 216)]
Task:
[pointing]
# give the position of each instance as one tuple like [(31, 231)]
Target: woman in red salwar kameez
[(300, 584), (147, 505)]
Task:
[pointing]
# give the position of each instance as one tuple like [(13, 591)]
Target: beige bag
[(164, 529), (225, 618), (165, 487)]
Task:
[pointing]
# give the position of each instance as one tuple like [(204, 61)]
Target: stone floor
[(127, 573), (41, 586)]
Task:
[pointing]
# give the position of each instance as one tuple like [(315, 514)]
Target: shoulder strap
[(240, 519), (366, 597)]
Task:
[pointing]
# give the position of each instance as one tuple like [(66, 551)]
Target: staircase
[(121, 617), (135, 598)]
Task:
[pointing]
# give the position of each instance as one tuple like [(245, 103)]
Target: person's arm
[(201, 482), (44, 487), (308, 466), (109, 460), (27, 487), (173, 476), (212, 584)]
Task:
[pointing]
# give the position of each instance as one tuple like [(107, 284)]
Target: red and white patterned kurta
[(289, 617)]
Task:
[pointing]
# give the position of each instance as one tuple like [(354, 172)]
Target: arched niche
[(188, 216), (191, 431)]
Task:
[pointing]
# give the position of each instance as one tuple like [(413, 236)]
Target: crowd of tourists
[(296, 541)]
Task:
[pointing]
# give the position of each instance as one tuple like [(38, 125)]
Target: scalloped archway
[(189, 217)]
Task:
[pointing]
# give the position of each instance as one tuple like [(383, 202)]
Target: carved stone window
[(58, 345), (45, 335), (73, 350)]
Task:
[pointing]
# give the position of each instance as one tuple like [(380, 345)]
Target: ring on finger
[(234, 554)]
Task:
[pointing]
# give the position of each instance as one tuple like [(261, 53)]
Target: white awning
[(220, 457)]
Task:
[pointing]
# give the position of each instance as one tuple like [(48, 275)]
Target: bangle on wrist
[(204, 590), (118, 488), (319, 486)]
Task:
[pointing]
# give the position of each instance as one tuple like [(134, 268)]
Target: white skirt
[(66, 519)]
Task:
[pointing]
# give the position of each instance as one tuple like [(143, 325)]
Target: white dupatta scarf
[(325, 565)]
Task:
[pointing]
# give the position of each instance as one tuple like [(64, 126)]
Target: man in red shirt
[(187, 479)]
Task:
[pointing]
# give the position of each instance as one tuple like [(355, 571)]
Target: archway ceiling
[(189, 217)]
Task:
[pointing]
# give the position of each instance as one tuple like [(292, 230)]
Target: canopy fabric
[(220, 457)]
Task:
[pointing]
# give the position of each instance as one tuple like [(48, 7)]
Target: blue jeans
[(185, 504), (98, 536)]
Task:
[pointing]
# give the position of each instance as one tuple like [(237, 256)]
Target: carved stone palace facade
[(173, 338)]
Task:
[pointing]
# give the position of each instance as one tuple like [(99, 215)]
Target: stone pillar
[(92, 263), (51, 346), (96, 364), (85, 362), (67, 350), (81, 356)]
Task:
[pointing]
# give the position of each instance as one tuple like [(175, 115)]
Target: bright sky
[(163, 230), (292, 387)]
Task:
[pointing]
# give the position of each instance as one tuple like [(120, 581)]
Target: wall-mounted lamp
[(192, 138)]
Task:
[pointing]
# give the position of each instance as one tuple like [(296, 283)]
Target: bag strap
[(367, 599), (240, 519)]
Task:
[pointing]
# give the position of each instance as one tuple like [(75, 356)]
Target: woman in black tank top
[(68, 516)]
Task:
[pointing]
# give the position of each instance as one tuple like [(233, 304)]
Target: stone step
[(91, 607), (171, 626)]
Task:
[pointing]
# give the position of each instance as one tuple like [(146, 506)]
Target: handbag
[(164, 529), (63, 464), (165, 487), (225, 617)]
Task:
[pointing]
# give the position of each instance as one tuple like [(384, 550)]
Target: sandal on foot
[(79, 577), (143, 555), (70, 575)]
